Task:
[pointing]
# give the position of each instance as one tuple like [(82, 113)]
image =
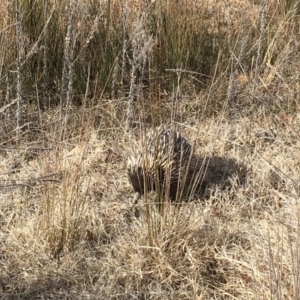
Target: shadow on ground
[(217, 172)]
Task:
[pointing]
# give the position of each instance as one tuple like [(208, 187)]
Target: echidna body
[(160, 162)]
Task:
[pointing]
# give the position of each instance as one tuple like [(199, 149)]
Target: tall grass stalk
[(141, 45), (20, 61), (68, 68)]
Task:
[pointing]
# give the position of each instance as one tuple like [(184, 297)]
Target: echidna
[(160, 162)]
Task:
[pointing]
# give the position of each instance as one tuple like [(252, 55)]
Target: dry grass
[(67, 226), (68, 230)]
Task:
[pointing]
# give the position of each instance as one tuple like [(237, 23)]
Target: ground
[(69, 228)]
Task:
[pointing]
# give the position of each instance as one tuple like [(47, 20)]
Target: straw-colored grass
[(78, 82), (68, 228)]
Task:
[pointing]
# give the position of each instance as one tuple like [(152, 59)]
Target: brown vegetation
[(80, 81)]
